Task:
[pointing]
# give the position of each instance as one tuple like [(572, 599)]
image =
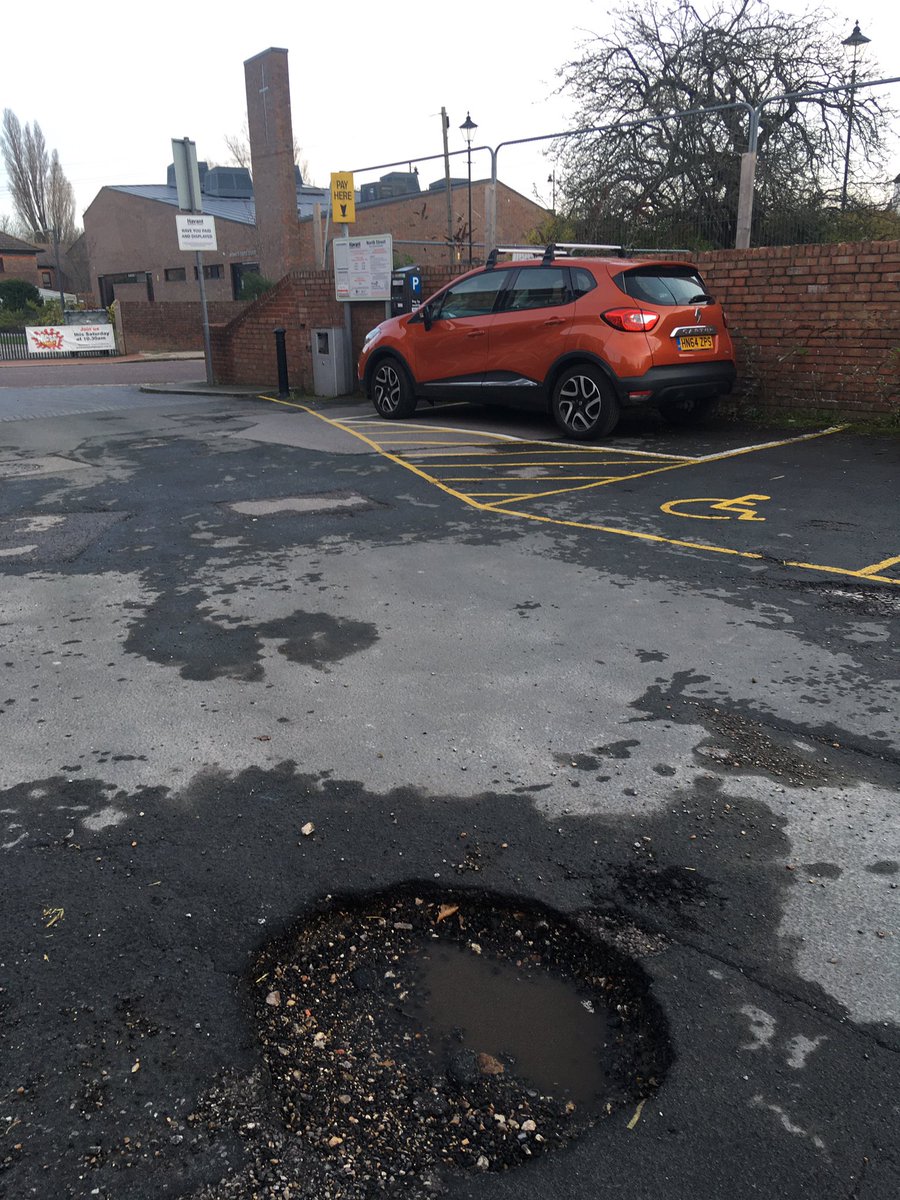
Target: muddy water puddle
[(535, 1025), (417, 1034)]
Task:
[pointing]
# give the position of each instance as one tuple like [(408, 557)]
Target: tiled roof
[(14, 245)]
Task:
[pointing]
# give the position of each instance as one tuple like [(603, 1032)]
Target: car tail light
[(630, 320)]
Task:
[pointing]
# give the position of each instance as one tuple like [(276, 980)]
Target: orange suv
[(582, 338)]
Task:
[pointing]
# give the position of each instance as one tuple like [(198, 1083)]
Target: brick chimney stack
[(272, 159)]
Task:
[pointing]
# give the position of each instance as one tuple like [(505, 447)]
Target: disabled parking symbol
[(742, 508)]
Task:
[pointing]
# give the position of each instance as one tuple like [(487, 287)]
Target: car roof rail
[(554, 250)]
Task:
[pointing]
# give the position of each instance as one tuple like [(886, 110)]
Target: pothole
[(412, 1035)]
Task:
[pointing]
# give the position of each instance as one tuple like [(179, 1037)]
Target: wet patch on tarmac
[(179, 630)]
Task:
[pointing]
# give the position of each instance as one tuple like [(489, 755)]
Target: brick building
[(267, 223), (19, 260)]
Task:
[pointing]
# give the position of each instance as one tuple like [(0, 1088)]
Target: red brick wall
[(423, 218), (243, 350), (171, 324), (20, 266), (814, 326)]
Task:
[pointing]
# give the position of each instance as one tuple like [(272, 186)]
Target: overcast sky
[(367, 79)]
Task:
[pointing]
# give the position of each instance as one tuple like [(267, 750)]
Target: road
[(650, 685)]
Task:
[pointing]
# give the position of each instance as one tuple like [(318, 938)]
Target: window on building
[(175, 275), (215, 271), (1, 266), (126, 277), (46, 278)]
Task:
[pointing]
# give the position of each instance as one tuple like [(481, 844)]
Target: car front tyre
[(584, 405), (391, 390)]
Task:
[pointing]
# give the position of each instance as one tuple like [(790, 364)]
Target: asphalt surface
[(224, 619)]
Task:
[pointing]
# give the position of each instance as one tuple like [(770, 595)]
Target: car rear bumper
[(680, 381)]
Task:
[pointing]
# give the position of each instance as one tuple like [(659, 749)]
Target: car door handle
[(475, 333), (555, 321)]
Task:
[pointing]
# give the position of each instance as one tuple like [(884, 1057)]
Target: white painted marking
[(14, 550), (787, 1123)]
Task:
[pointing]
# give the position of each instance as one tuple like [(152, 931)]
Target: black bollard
[(281, 355)]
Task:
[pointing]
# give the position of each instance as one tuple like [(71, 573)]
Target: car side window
[(472, 297), (582, 281), (538, 287)]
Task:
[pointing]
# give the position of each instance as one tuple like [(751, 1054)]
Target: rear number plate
[(702, 341)]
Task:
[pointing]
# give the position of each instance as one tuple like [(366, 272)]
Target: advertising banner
[(63, 339)]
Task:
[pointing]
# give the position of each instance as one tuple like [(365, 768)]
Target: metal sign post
[(343, 212), (187, 181)]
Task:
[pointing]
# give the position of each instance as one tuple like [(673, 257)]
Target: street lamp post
[(468, 128), (856, 39), (551, 179)]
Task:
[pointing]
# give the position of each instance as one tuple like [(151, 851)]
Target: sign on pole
[(343, 203), (362, 267), (196, 231), (187, 174)]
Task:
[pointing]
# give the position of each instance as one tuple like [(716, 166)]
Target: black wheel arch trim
[(573, 358), (379, 356)]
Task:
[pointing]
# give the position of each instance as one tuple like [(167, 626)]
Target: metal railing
[(740, 231)]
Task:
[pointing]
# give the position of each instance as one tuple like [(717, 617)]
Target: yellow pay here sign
[(343, 206)]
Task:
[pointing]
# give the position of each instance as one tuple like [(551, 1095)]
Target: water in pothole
[(539, 1025)]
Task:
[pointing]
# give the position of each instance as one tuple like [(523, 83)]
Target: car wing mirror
[(427, 316)]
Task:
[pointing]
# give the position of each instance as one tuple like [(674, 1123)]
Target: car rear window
[(674, 285)]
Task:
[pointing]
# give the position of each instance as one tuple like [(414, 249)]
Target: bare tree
[(238, 146), (42, 196), (665, 56)]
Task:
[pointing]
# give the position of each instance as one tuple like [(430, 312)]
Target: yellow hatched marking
[(652, 538), (884, 565), (519, 478)]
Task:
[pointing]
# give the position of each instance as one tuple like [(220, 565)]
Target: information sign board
[(362, 267), (196, 231)]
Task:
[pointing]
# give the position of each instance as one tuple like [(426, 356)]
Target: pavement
[(653, 681)]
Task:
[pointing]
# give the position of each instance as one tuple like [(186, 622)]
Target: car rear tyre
[(687, 412), (584, 404), (391, 390)]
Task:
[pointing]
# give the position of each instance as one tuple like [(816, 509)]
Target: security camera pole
[(194, 230)]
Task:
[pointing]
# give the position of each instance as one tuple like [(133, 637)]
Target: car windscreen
[(665, 285)]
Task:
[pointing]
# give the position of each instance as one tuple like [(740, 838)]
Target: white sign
[(196, 231), (63, 339), (362, 267)]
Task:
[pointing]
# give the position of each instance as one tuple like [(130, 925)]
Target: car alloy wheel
[(392, 391), (583, 404)]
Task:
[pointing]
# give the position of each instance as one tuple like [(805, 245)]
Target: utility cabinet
[(331, 376)]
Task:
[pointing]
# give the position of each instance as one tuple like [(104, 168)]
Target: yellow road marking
[(652, 538), (521, 478), (880, 566), (801, 437), (741, 507)]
